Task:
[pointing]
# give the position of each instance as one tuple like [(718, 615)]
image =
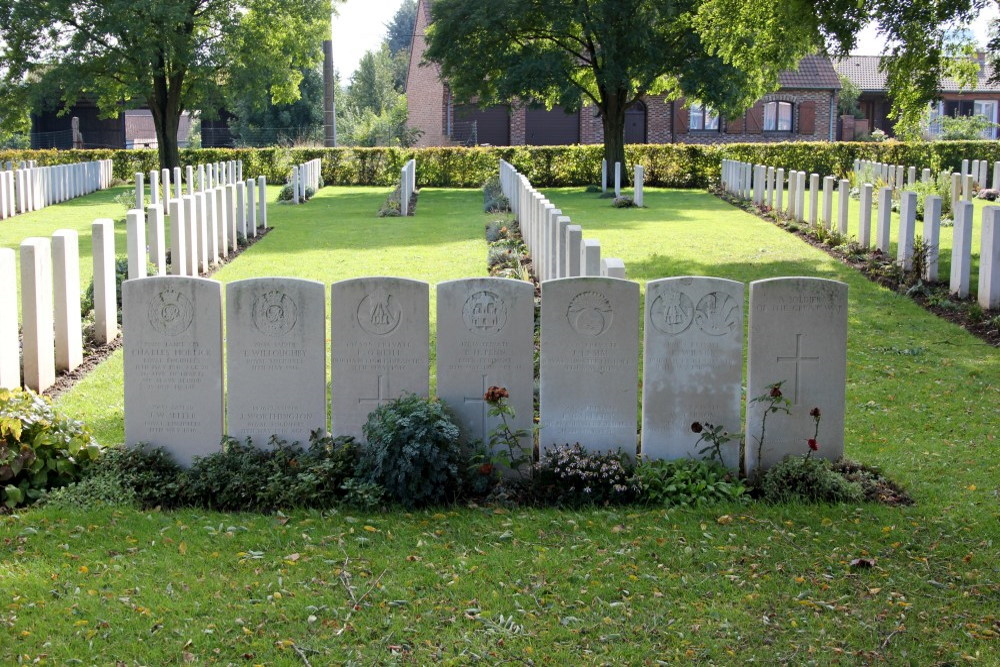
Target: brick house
[(803, 109), (982, 100)]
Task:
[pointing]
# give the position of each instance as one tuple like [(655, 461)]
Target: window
[(988, 110), (778, 117), (702, 117)]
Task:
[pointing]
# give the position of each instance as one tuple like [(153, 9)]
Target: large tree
[(723, 53), (167, 55)]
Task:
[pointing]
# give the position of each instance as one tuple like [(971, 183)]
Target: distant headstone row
[(557, 246), (163, 190), (27, 187), (766, 186), (638, 177), (305, 175), (205, 226), (275, 361), (407, 185)]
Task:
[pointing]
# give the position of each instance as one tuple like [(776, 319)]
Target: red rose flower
[(775, 391), (814, 413), (696, 427), (494, 394), (486, 469)]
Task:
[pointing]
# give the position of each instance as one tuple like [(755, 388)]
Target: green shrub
[(808, 480), (571, 476), (39, 448), (412, 451), (244, 478), (686, 482), (494, 200), (287, 193)]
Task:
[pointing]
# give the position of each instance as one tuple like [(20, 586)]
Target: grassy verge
[(726, 584)]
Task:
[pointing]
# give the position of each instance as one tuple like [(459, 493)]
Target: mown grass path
[(724, 584)]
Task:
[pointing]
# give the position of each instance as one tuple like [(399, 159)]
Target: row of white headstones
[(305, 175), (209, 175), (765, 185), (557, 246), (407, 185), (638, 177), (203, 229), (28, 187), (185, 386)]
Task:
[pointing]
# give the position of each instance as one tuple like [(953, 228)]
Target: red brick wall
[(823, 99), (426, 99)]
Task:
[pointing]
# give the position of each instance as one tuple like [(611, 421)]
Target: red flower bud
[(494, 394), (486, 469), (775, 391), (696, 427), (813, 445), (814, 413)]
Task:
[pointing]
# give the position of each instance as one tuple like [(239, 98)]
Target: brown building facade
[(803, 109)]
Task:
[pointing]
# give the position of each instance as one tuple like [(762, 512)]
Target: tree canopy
[(724, 53), (168, 55)]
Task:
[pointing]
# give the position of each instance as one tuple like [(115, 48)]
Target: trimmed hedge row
[(668, 165)]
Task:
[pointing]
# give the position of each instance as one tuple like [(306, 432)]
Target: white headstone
[(154, 187), (932, 234), (618, 179), (692, 365), (202, 230), (10, 345), (574, 249), (989, 259), (262, 201), (251, 189), (865, 220), (638, 178), (135, 234), (590, 258), (221, 221), (157, 238), (907, 229), (173, 364), (66, 282), (178, 239), (38, 342), (798, 336), (828, 202), (589, 364), (140, 194), (379, 350), (883, 219), (604, 175), (961, 249), (813, 198), (843, 203), (105, 297), (275, 359), (485, 332)]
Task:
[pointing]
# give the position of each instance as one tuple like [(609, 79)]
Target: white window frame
[(990, 133), (774, 117), (709, 119)]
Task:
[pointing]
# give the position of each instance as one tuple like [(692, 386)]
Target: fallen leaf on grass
[(862, 563)]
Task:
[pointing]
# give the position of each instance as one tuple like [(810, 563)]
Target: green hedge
[(669, 165)]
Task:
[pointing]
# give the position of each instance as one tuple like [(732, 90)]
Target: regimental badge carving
[(590, 313), (379, 313), (671, 312), (485, 313), (274, 313), (170, 312), (717, 314)]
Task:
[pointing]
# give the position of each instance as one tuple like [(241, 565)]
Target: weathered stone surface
[(692, 365), (798, 336), (275, 359), (589, 363), (10, 346), (173, 364), (485, 332), (38, 343), (66, 284), (379, 350)]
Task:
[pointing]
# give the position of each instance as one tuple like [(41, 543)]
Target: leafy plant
[(773, 401), (412, 451), (809, 480), (623, 201), (715, 438), (686, 483), (39, 447), (570, 476), (494, 200), (504, 441)]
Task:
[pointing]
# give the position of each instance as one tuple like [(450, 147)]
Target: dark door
[(635, 124), (551, 128), (476, 127)]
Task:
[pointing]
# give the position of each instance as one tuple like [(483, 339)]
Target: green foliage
[(399, 31), (39, 447), (964, 128), (287, 193), (875, 486), (666, 165), (570, 476), (940, 186), (808, 480), (847, 102), (259, 121), (623, 202), (170, 56), (244, 478), (494, 200), (686, 483), (412, 451)]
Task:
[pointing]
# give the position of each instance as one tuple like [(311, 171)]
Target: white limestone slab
[(589, 364), (907, 229), (379, 349), (692, 365), (798, 336), (883, 219), (172, 328), (275, 359), (38, 342), (10, 345), (932, 236), (865, 218), (135, 234), (66, 284), (989, 259), (157, 238), (961, 249), (485, 330), (105, 291)]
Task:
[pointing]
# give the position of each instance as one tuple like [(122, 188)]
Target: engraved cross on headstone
[(383, 393), (797, 359), (481, 400)]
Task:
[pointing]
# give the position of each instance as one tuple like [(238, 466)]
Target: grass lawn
[(725, 584)]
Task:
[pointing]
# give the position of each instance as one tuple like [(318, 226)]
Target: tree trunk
[(165, 105), (613, 119)]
